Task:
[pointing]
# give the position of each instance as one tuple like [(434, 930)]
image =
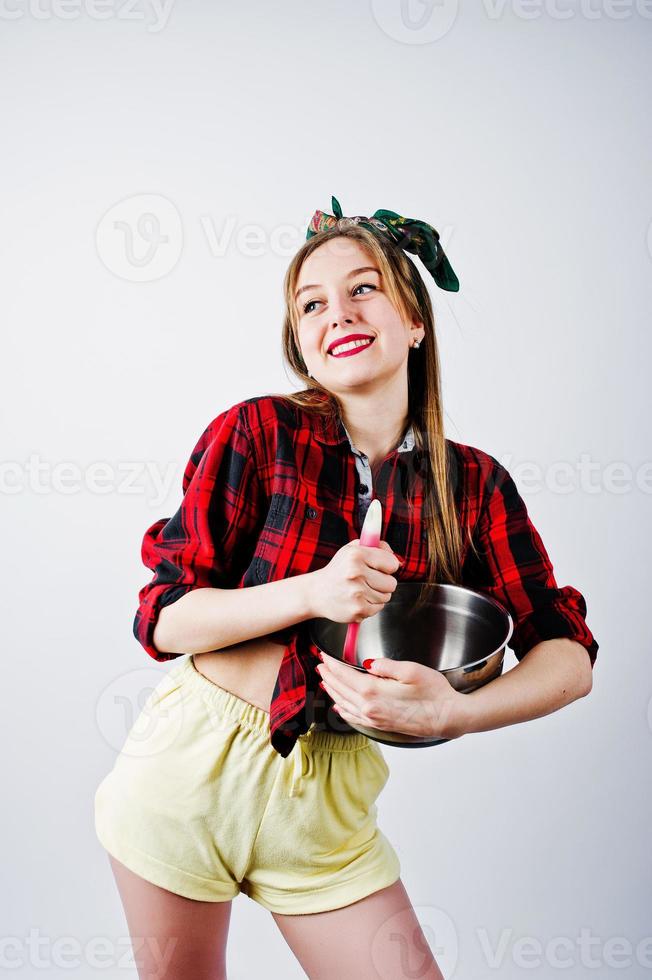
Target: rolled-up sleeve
[(210, 539), (514, 568)]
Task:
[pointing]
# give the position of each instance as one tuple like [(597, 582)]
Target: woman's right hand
[(356, 583)]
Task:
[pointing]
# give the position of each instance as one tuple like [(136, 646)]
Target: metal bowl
[(450, 628)]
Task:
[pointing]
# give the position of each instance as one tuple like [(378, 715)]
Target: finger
[(399, 558), (341, 693), (358, 681), (329, 664), (376, 598), (341, 700), (352, 718), (332, 667), (377, 558), (382, 579)]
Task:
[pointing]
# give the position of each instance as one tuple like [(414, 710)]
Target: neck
[(376, 422)]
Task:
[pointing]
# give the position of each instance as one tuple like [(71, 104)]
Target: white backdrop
[(516, 129)]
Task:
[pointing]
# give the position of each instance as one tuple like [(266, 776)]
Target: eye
[(360, 285), (368, 285)]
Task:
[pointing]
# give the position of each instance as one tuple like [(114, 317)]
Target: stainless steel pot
[(450, 628)]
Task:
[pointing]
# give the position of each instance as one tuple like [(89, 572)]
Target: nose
[(341, 314), (342, 309)]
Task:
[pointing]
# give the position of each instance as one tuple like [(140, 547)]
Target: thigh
[(376, 938), (173, 938)]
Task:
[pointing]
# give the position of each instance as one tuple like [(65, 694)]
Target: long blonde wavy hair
[(407, 292)]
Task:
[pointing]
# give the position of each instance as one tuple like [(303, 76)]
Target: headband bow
[(409, 234)]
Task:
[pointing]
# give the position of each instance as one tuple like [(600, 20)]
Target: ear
[(417, 330)]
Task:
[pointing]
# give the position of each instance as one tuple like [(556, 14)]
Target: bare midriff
[(248, 669)]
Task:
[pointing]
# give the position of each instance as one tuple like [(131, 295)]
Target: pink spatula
[(369, 536)]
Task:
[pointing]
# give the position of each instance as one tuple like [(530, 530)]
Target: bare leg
[(377, 938), (173, 938)]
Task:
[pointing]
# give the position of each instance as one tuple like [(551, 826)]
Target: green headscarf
[(409, 234)]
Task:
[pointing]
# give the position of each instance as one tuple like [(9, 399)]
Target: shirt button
[(311, 513), (364, 488)]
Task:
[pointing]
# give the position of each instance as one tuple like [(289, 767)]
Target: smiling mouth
[(345, 350)]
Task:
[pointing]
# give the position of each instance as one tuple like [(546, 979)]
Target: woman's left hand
[(395, 696)]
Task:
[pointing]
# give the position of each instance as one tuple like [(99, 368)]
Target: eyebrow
[(353, 272)]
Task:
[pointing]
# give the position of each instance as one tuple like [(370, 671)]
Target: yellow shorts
[(198, 802)]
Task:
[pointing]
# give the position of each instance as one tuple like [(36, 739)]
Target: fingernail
[(367, 663)]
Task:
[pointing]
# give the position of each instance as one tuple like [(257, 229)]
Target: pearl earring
[(416, 344)]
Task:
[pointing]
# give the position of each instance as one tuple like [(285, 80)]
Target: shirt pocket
[(302, 532)]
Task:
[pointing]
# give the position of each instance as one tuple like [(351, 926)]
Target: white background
[(517, 130)]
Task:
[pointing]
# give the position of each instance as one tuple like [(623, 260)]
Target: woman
[(251, 778)]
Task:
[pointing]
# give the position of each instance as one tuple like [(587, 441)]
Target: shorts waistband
[(255, 718)]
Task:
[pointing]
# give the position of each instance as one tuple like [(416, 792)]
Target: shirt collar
[(328, 430)]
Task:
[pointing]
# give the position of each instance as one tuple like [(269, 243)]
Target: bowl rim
[(458, 588)]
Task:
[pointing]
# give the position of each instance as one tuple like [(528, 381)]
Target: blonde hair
[(408, 294)]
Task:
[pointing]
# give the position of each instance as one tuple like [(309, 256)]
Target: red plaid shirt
[(270, 491)]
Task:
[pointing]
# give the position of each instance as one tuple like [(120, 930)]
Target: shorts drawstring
[(301, 753)]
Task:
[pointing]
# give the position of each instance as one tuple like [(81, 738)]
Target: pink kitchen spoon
[(369, 536)]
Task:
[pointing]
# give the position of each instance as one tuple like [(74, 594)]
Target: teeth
[(354, 343)]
